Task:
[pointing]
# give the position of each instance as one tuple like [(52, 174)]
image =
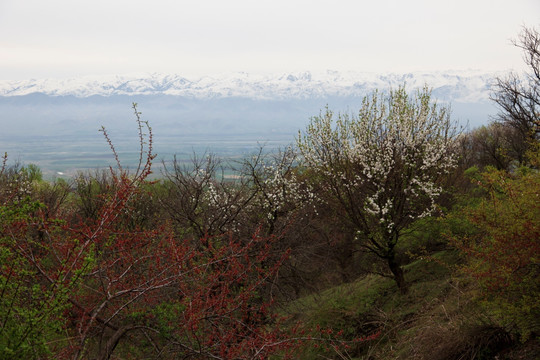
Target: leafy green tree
[(382, 167)]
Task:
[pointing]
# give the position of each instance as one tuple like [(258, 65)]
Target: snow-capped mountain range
[(455, 86)]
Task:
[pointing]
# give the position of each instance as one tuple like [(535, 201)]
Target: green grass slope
[(438, 319)]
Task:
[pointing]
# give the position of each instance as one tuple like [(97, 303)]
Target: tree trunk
[(106, 353), (397, 271)]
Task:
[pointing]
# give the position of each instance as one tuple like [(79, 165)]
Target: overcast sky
[(66, 38)]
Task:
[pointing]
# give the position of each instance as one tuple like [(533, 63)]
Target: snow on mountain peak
[(468, 86)]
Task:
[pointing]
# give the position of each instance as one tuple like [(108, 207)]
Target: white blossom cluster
[(389, 157), (280, 188), (221, 201), (284, 188), (19, 187)]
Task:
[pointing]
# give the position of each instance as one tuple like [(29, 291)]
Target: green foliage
[(421, 238), (503, 252), (33, 172), (29, 311)]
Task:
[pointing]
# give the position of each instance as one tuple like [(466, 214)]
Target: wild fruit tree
[(382, 166)]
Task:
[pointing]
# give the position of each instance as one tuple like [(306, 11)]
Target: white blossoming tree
[(383, 166)]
